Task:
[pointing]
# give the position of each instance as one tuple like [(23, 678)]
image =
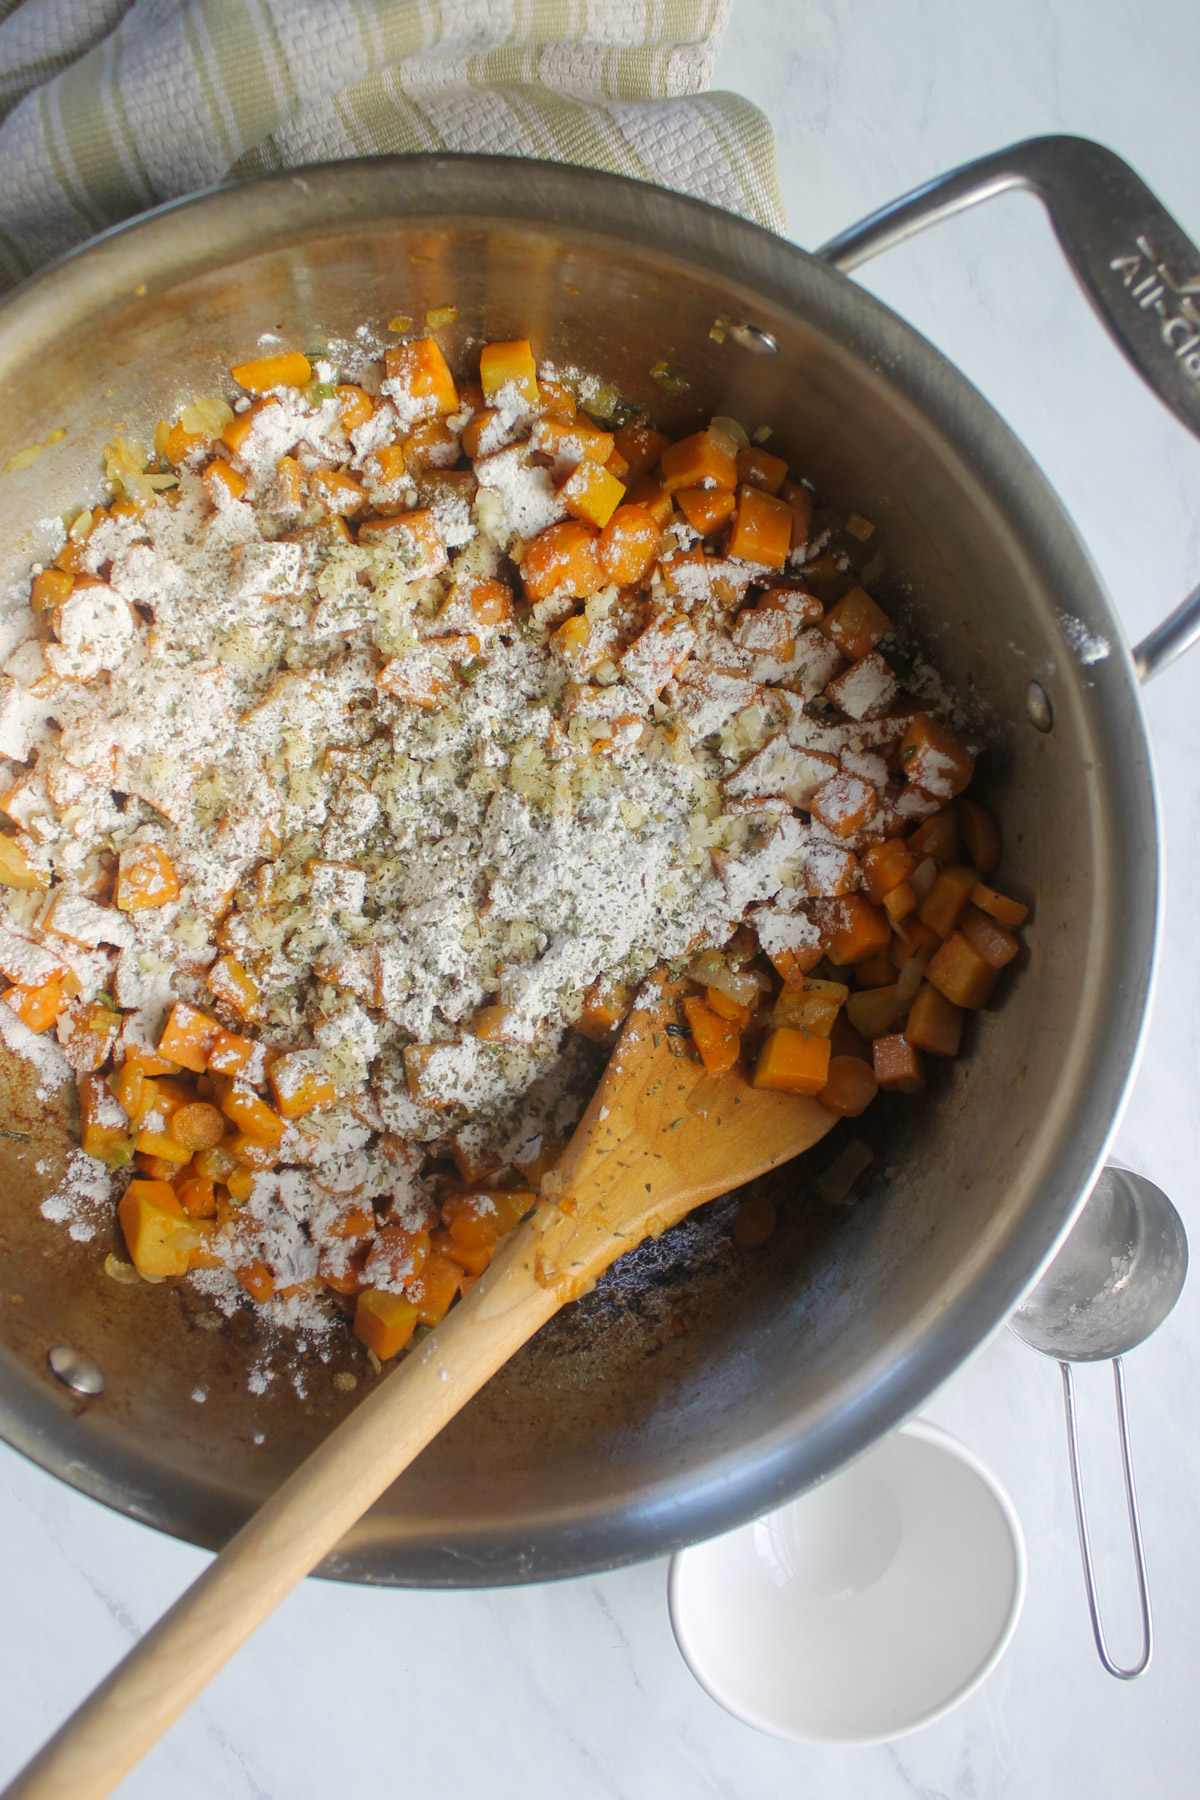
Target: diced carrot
[(873, 1011), (945, 900), (800, 499), (885, 866), (216, 1164), (431, 445), (355, 406), (754, 1223), (384, 1322), (229, 982), (571, 641), (15, 870), (706, 509), (573, 443), (392, 466), (252, 1115), (338, 491), (959, 972), (876, 971), (230, 1054), (434, 1290), (411, 678), (180, 444), (156, 1168), (472, 1262), (793, 965), (938, 837), (617, 466), (163, 1146), (188, 1037), (811, 1008), (477, 432), (242, 424), (556, 401), (94, 1027), (481, 1219), (758, 468), (934, 1023), (718, 1041), (491, 1024), (288, 369), (413, 537), (197, 1195), (509, 365), (935, 759), (240, 1183), (994, 942), (762, 528), (980, 834), (398, 1252), (792, 1062), (726, 1007), (844, 804), (490, 601), (898, 1064), (563, 560), (604, 1012), (158, 1233), (423, 372), (1009, 912), (851, 1087), (856, 624), (49, 589), (707, 458), (648, 492), (198, 1125), (257, 1280), (642, 447), (800, 607), (899, 902), (857, 929), (145, 877), (38, 1007), (628, 547), (220, 474), (299, 1084), (591, 494)]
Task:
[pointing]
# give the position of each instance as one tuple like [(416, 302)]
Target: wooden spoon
[(639, 1160)]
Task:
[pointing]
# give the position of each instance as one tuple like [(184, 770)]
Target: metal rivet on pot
[(1037, 705), (754, 339), (76, 1370)]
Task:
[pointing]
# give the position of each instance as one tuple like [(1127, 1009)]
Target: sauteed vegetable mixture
[(376, 739)]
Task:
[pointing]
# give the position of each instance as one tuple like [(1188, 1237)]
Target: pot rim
[(158, 249)]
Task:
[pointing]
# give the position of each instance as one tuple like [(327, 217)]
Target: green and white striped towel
[(109, 107)]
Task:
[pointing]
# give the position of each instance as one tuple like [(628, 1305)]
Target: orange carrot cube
[(591, 494), (762, 528), (384, 1322), (252, 1115), (885, 866), (706, 509), (188, 1037), (898, 1064), (198, 1197), (935, 759), (718, 1040), (257, 1280), (648, 493), (945, 900), (811, 1008), (230, 1054), (792, 1062), (844, 804), (563, 560), (851, 1087), (1009, 912), (793, 965), (706, 459), (899, 901), (758, 468), (934, 1023), (145, 877), (856, 624), (642, 447), (299, 1084), (164, 1146), (49, 589), (38, 1007), (423, 373), (222, 475), (959, 972), (980, 834), (938, 837), (509, 365), (15, 870), (338, 491), (433, 1291), (229, 982), (857, 930), (993, 941), (240, 426), (628, 547), (158, 1233), (289, 369), (355, 406)]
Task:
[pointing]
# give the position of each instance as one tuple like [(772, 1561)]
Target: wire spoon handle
[(1135, 1526)]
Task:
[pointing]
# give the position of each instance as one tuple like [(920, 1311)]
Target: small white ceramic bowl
[(866, 1608)]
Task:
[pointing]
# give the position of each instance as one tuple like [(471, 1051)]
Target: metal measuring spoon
[(1113, 1283)]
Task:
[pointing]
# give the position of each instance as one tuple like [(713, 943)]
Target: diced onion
[(732, 429), (923, 878), (835, 1184), (909, 981), (711, 968)]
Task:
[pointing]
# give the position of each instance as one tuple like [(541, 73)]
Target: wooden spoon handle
[(290, 1534)]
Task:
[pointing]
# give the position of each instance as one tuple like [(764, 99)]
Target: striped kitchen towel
[(109, 107)]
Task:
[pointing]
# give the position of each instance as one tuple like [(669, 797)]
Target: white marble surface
[(576, 1689)]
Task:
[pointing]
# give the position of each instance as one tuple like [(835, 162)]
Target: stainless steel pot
[(697, 1387)]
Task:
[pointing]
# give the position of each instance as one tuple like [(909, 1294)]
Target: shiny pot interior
[(697, 1386)]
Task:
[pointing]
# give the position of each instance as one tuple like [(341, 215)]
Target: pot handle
[(1138, 268)]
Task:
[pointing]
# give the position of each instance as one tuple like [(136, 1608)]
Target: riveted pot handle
[(1137, 266)]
